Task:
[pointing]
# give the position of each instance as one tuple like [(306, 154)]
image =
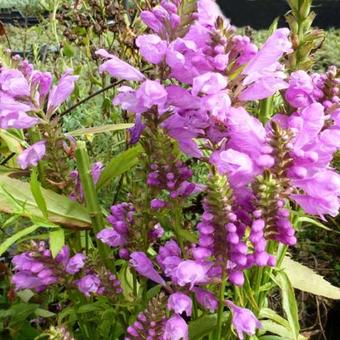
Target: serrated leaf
[(289, 302), (61, 210), (57, 241), (100, 129), (305, 279), (120, 164)]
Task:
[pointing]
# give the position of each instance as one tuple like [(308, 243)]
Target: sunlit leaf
[(307, 280), (289, 302), (120, 164), (100, 129), (61, 210)]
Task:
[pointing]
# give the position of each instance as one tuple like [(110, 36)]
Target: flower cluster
[(121, 219), (207, 75), (37, 269), (24, 94)]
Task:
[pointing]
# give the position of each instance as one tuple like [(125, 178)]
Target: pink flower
[(179, 303), (118, 68), (206, 299), (191, 272), (60, 92), (32, 155), (16, 120), (152, 48), (244, 321), (143, 265), (176, 329), (273, 49), (14, 83), (209, 83)]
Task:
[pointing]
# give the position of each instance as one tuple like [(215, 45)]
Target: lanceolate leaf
[(101, 129), (289, 302), (61, 210), (202, 326), (17, 236), (36, 192), (57, 241), (120, 164), (307, 280)]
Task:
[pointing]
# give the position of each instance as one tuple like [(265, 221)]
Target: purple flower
[(300, 90), (32, 155), (89, 284), (237, 165), (111, 237), (143, 265), (43, 82), (273, 49), (118, 68), (206, 299), (151, 20), (14, 83), (157, 204), (208, 12), (152, 48), (244, 321), (136, 130), (209, 83), (75, 263), (179, 303), (60, 92), (26, 280), (176, 329), (191, 272), (16, 120), (151, 93), (263, 73)]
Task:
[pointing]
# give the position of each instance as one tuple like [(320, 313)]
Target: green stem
[(36, 137), (177, 226), (221, 306), (266, 106), (91, 200)]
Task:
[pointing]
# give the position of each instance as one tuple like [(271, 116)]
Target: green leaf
[(101, 129), (57, 241), (305, 279), (13, 143), (44, 313), (270, 337), (275, 328), (36, 192), (289, 302), (25, 295), (313, 222), (202, 326), (17, 236), (68, 50), (152, 292), (267, 313), (188, 236), (120, 164), (61, 210)]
